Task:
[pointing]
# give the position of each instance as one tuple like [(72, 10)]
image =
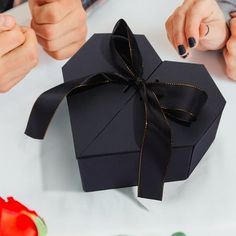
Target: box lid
[(93, 111), (107, 121)]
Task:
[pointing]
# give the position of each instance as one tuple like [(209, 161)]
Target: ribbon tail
[(47, 103), (155, 151)]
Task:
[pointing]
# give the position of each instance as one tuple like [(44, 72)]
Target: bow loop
[(181, 102), (126, 53)]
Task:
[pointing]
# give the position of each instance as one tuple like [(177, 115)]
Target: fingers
[(25, 56), (18, 62), (59, 25), (233, 26), (194, 17), (230, 62), (197, 24), (174, 28), (168, 26), (6, 22), (52, 12), (10, 40), (178, 33), (62, 42), (9, 85), (205, 26), (230, 51), (54, 31), (66, 52)]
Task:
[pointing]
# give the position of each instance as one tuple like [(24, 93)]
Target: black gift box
[(108, 121)]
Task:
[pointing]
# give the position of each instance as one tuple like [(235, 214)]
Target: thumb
[(213, 35), (6, 22)]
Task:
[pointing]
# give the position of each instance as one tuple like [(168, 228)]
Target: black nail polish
[(185, 55), (191, 42), (181, 50)]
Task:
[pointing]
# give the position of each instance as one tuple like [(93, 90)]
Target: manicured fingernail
[(185, 56), (181, 50), (191, 42)]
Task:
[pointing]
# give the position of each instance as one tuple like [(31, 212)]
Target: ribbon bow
[(181, 102)]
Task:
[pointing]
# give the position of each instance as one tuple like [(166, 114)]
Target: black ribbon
[(181, 102)]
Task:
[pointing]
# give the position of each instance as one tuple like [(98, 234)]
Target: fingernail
[(185, 56), (191, 42), (181, 50)]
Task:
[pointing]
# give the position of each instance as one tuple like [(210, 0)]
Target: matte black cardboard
[(107, 124)]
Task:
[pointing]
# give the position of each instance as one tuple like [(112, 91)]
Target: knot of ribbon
[(181, 102)]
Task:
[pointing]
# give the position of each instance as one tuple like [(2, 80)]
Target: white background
[(44, 174)]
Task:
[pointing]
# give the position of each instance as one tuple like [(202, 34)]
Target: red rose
[(18, 220)]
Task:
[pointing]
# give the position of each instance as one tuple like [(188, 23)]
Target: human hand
[(197, 24), (60, 26), (18, 52), (230, 50)]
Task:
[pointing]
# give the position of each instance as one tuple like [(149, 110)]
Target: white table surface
[(44, 174)]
